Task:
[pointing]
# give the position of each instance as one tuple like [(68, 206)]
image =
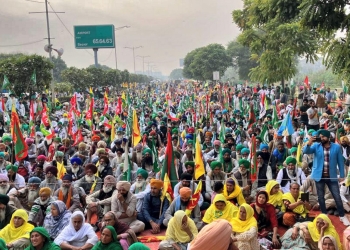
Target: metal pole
[(115, 55), (95, 56), (133, 52), (50, 55)]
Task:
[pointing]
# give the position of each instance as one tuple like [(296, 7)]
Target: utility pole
[(143, 63), (133, 54), (148, 64)]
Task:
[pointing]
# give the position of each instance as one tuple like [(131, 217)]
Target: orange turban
[(185, 192), (45, 190), (95, 138), (156, 183), (344, 139)]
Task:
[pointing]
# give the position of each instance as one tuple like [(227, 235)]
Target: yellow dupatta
[(240, 226), (174, 231), (330, 230), (274, 199), (213, 213), (301, 210), (10, 233), (237, 192)]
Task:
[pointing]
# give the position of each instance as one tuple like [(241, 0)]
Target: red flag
[(90, 112), (44, 117), (105, 108), (20, 147), (118, 110), (78, 138), (252, 118), (306, 82), (253, 168)]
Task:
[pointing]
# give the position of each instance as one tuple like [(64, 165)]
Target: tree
[(19, 70), (80, 79), (98, 77), (63, 87), (176, 74), (112, 77), (241, 59), (100, 66), (6, 56), (59, 66), (125, 75)]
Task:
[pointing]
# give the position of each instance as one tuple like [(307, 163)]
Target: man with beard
[(124, 206), (6, 211), (137, 155), (290, 174), (229, 165), (104, 168), (90, 182), (3, 163), (99, 202), (327, 158), (76, 170), (60, 162), (68, 194), (41, 207), (213, 154), (264, 174), (140, 188), (344, 141), (82, 153), (40, 160), (268, 158), (38, 172), (180, 203), (215, 175), (147, 161), (51, 180), (17, 181), (280, 153), (118, 159), (243, 177), (27, 195), (153, 208)]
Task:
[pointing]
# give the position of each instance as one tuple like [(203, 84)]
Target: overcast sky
[(167, 29)]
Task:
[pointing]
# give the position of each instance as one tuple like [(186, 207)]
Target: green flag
[(156, 168), (264, 135), (127, 166), (33, 78), (5, 83), (222, 132), (274, 118)]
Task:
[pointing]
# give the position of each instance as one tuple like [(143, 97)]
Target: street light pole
[(133, 53), (115, 47), (143, 63)]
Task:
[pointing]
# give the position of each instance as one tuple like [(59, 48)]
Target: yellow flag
[(167, 190), (199, 165), (112, 130), (299, 160), (194, 199), (61, 170), (123, 96), (136, 134)]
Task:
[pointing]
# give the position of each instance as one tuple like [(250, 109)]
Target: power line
[(107, 57), (22, 44)]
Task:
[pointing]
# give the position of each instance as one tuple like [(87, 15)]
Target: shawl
[(10, 233), (69, 198), (174, 231), (240, 226), (3, 244), (213, 213), (336, 243), (299, 209), (55, 224), (113, 245), (274, 199), (119, 226), (48, 245), (330, 230), (139, 246), (237, 192)]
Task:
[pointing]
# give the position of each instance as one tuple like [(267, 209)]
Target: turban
[(101, 151), (231, 181), (4, 177), (152, 133), (41, 158), (190, 142), (123, 184), (301, 133), (208, 133), (215, 164), (245, 151), (244, 162), (59, 154), (34, 180), (76, 160), (39, 134), (291, 160), (264, 146), (293, 150), (314, 134), (138, 146), (82, 145), (91, 167), (4, 199), (217, 143), (324, 132), (189, 136), (2, 155), (45, 190), (185, 192), (344, 139), (6, 138), (14, 168), (191, 163), (191, 130), (147, 151), (145, 133), (239, 147), (142, 172), (95, 138), (67, 177), (101, 144), (156, 183), (310, 131), (109, 179), (58, 139), (226, 151), (175, 131), (66, 140), (51, 169), (29, 140)]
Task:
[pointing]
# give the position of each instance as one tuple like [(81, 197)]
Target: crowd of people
[(97, 172)]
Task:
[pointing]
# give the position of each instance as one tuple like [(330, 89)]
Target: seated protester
[(290, 174), (244, 229), (125, 235), (180, 232), (16, 234), (23, 168), (3, 163), (154, 208), (220, 209), (229, 164), (77, 234), (104, 168), (41, 207), (245, 153), (280, 153), (68, 194), (51, 180), (265, 215), (119, 158), (59, 162), (124, 173), (108, 240), (214, 176), (243, 178), (7, 189), (147, 161), (6, 210), (123, 204), (213, 155), (136, 156), (328, 242), (90, 182), (140, 188), (275, 197), (218, 189), (82, 153), (40, 240), (99, 202), (264, 173), (57, 219), (295, 210), (233, 192), (38, 171), (140, 246), (76, 170), (27, 195), (181, 203), (306, 235)]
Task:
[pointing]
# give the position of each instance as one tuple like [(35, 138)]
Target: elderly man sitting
[(28, 195), (41, 207), (51, 180), (68, 194), (15, 179), (6, 210), (140, 188), (124, 206)]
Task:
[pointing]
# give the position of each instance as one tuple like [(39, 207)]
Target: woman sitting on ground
[(275, 197), (16, 234), (220, 209), (108, 240), (58, 218), (328, 243), (233, 192), (265, 215), (40, 240), (306, 235), (245, 229), (181, 231)]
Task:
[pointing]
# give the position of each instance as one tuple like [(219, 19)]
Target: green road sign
[(94, 36)]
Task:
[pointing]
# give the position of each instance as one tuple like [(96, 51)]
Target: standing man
[(327, 156)]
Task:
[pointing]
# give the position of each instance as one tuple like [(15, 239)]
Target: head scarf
[(174, 230), (266, 196), (216, 235), (334, 240), (240, 226), (10, 233), (236, 192), (213, 213), (124, 184), (185, 192), (274, 199), (113, 245), (55, 224), (139, 246), (156, 183), (48, 245)]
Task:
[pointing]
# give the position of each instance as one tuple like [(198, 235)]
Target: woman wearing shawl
[(295, 210), (181, 231), (265, 215), (233, 192), (275, 195), (139, 246), (77, 233), (306, 235), (16, 233), (245, 229), (58, 218), (40, 240), (220, 209), (328, 243), (109, 240)]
